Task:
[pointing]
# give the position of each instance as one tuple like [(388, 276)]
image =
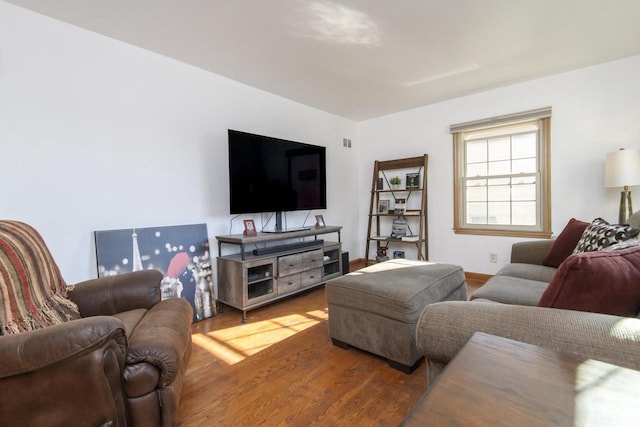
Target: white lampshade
[(622, 168)]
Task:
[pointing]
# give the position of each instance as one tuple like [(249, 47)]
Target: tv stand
[(248, 280)]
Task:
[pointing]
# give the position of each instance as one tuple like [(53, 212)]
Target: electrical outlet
[(493, 257)]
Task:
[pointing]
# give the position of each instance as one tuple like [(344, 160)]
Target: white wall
[(96, 134), (596, 110)]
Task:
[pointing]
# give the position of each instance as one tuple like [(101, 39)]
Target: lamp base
[(626, 206)]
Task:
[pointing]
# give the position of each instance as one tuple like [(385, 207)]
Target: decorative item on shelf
[(320, 222), (380, 185), (399, 207), (382, 254), (398, 254), (383, 206), (249, 228), (410, 238), (395, 182), (413, 181), (622, 169), (398, 228), (379, 237)]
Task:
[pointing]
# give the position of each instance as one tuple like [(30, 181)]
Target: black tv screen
[(273, 175)]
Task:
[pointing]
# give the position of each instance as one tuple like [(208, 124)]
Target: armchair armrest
[(163, 339), (64, 374), (443, 328), (530, 251), (106, 296), (38, 349)]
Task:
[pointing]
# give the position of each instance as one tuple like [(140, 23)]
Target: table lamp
[(622, 169)]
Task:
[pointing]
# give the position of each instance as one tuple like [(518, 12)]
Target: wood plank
[(280, 368), (411, 162)]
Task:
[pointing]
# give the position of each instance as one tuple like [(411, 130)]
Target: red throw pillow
[(565, 243), (601, 282)]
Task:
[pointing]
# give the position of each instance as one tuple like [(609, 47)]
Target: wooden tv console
[(285, 265)]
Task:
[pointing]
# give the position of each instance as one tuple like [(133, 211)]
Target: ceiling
[(366, 58)]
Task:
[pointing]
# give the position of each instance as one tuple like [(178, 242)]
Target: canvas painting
[(180, 252)]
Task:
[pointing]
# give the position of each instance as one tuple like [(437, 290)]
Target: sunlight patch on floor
[(392, 264), (234, 344)]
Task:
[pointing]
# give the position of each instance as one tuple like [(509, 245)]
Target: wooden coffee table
[(495, 381)]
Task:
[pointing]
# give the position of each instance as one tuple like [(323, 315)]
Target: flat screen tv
[(275, 175)]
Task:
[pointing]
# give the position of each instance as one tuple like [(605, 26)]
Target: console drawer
[(289, 283), (289, 264), (312, 259), (311, 277)]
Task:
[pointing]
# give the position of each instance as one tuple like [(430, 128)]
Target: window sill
[(503, 233)]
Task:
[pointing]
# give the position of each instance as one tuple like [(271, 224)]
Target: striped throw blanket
[(33, 294)]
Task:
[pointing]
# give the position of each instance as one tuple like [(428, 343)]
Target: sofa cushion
[(565, 243), (130, 319), (600, 234), (539, 273), (511, 290), (602, 282)]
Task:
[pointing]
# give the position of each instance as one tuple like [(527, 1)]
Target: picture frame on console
[(249, 228), (320, 222)]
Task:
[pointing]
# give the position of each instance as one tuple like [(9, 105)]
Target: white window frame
[(503, 124)]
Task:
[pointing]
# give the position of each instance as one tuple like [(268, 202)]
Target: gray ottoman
[(376, 308)]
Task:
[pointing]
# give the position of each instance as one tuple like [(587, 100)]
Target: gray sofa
[(506, 306)]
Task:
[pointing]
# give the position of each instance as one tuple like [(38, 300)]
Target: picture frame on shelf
[(320, 222), (400, 206), (413, 181), (249, 228), (398, 254), (383, 207)]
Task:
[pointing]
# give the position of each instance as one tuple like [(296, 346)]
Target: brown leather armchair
[(120, 362)]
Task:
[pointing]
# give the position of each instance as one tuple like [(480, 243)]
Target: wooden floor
[(280, 368)]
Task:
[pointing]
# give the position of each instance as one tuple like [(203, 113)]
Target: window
[(501, 174)]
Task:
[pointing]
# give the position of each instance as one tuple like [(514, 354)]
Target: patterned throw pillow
[(600, 234), (625, 244)]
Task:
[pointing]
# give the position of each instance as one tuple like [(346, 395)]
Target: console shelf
[(247, 280)]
